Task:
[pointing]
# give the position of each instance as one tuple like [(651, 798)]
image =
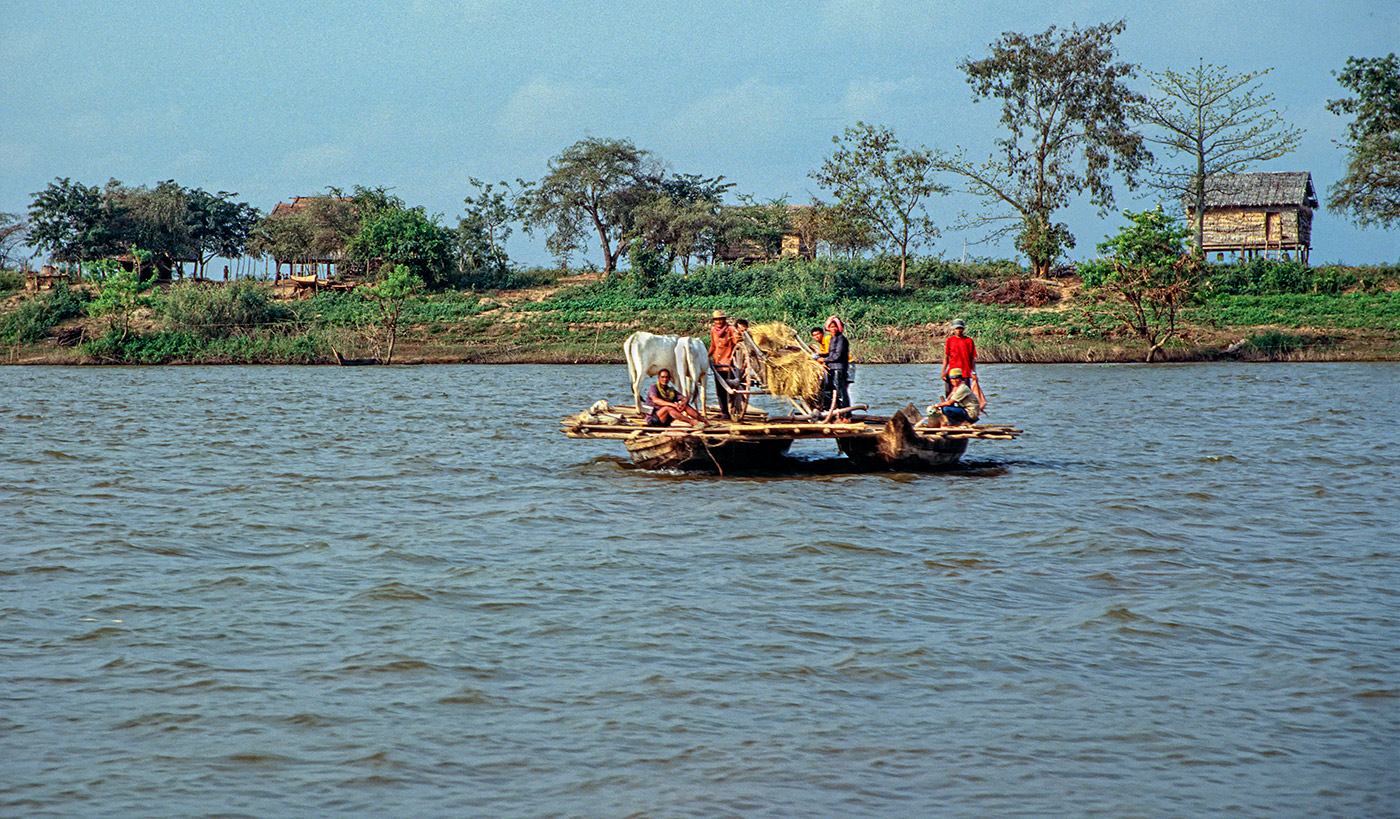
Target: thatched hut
[(1258, 215), (307, 261)]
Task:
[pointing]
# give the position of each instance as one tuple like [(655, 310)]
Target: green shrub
[(10, 281), (1275, 342), (219, 311), (195, 348), (34, 317)]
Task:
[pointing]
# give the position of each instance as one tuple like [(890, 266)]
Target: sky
[(274, 100)]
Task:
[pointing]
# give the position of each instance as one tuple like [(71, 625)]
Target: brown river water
[(283, 591)]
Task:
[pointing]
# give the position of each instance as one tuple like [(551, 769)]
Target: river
[(284, 591)]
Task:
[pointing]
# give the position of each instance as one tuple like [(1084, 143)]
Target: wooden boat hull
[(669, 450), (900, 445)]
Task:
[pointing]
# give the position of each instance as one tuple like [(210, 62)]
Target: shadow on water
[(789, 467)]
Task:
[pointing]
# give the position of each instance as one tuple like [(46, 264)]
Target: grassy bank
[(1263, 311)]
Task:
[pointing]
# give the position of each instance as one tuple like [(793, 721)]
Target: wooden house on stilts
[(1258, 215)]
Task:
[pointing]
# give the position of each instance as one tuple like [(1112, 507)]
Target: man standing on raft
[(960, 353), (722, 340)]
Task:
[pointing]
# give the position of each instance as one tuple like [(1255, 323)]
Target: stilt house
[(309, 262), (1258, 215)]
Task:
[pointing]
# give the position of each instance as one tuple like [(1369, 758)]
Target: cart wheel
[(738, 405)]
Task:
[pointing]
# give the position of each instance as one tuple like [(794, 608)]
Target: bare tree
[(1215, 123)]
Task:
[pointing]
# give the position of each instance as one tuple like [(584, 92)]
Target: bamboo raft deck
[(894, 442)]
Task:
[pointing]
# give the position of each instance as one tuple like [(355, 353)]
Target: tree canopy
[(76, 222), (1369, 193), (1067, 116), (884, 186), (585, 192), (1216, 123)]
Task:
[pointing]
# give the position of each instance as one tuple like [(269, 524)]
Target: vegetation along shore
[(1263, 310)]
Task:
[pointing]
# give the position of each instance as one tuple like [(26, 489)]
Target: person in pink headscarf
[(837, 359)]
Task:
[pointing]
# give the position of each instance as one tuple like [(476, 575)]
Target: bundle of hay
[(790, 371)]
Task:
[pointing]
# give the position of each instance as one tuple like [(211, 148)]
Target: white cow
[(685, 356)]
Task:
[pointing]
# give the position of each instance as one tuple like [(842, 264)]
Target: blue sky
[(274, 100)]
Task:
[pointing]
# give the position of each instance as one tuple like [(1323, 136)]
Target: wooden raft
[(893, 441)]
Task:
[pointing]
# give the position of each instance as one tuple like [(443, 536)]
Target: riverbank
[(581, 320)]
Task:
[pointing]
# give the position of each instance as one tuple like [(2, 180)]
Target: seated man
[(961, 406), (668, 406)]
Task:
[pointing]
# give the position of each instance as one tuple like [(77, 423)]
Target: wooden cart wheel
[(739, 404)]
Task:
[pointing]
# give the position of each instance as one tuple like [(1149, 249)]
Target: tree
[(1147, 276), (583, 192), (883, 185), (73, 222), (1370, 191), (121, 293), (390, 294), (1219, 122), (676, 217), (13, 230), (218, 226), (406, 238), (1066, 111), (482, 234)]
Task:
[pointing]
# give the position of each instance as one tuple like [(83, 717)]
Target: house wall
[(1248, 228)]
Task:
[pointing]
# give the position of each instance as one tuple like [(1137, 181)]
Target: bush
[(1274, 342), (36, 316), (11, 281), (507, 278), (219, 311), (179, 346)]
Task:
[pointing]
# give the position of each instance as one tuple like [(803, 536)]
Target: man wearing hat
[(960, 353), (961, 407), (723, 338)]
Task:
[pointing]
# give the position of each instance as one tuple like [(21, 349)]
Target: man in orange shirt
[(723, 337)]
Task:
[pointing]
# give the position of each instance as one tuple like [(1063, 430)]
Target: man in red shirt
[(960, 352)]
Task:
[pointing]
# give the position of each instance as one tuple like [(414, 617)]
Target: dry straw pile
[(790, 370)]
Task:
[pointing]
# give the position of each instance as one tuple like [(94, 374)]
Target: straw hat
[(718, 314)]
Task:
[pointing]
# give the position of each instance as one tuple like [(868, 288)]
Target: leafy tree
[(482, 234), (1218, 123), (390, 294), (1370, 191), (883, 185), (841, 231), (1066, 112), (583, 192), (677, 217), (1147, 276), (762, 222), (407, 238), (73, 222), (121, 293), (218, 226)]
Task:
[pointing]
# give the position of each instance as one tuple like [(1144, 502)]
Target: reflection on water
[(272, 591)]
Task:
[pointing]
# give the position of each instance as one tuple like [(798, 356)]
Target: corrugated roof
[(1261, 190)]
